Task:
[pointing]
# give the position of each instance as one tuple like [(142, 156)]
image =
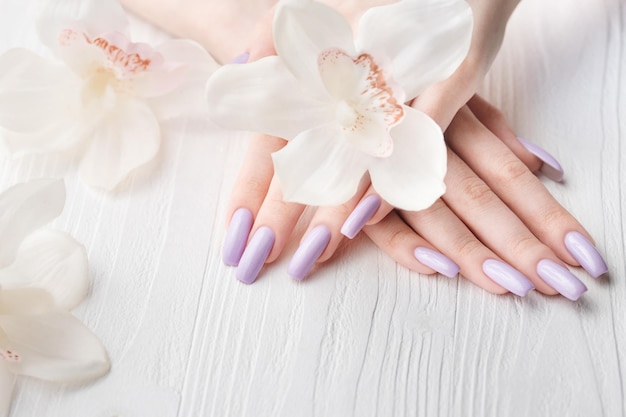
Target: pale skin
[(485, 212)]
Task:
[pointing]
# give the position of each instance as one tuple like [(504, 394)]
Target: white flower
[(339, 101), (104, 95), (42, 275)]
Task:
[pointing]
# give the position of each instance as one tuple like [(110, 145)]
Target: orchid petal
[(424, 40), (304, 29), (319, 167), (412, 178), (61, 136), (53, 261), (94, 17), (7, 382), (53, 346), (264, 97), (25, 208), (370, 137), (125, 139), (26, 302), (188, 97), (35, 93)]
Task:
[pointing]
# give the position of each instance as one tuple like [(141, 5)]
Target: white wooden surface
[(364, 337)]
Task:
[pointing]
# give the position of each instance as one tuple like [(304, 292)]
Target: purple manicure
[(507, 276), (255, 255), (561, 279), (551, 167), (308, 252), (586, 254), (361, 214), (237, 236), (241, 59), (437, 261)]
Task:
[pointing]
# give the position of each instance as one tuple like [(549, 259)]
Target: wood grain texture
[(365, 337)]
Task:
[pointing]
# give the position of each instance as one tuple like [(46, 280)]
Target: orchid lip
[(366, 106), (10, 356)]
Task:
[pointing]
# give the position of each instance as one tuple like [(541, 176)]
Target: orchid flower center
[(107, 62), (10, 356), (366, 106)]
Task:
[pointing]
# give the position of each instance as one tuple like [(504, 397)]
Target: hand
[(495, 214), (258, 196), (278, 218)]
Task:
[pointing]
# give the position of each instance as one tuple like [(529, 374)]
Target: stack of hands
[(496, 225)]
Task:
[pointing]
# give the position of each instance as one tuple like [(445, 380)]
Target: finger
[(408, 248), (495, 121), (500, 229), (535, 158), (279, 215), (323, 236), (446, 232), (272, 228), (248, 193), (524, 193)]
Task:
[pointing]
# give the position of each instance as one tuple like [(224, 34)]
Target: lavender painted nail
[(237, 236), (241, 59), (507, 276), (308, 252), (255, 255), (437, 261), (361, 214), (561, 279), (551, 167), (586, 254)]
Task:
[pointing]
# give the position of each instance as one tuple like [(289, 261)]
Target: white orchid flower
[(104, 95), (42, 275), (340, 100)]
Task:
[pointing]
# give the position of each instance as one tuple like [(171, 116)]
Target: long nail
[(255, 255), (241, 59), (508, 277), (437, 261), (308, 252), (551, 167), (586, 254), (237, 236), (361, 214), (561, 279)]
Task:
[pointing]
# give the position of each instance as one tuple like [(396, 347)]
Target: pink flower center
[(124, 57), (367, 108), (10, 356)]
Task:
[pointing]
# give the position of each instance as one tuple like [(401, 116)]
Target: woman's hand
[(461, 225), (495, 215)]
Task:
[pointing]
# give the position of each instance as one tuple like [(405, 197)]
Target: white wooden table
[(364, 337)]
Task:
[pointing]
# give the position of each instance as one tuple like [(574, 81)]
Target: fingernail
[(308, 252), (255, 255), (507, 276), (551, 167), (586, 254), (361, 214), (237, 236), (561, 279), (437, 261), (241, 59)]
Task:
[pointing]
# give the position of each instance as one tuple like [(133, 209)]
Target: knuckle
[(396, 239), (254, 186), (524, 245), (511, 170), (477, 192), (554, 214), (467, 246)]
